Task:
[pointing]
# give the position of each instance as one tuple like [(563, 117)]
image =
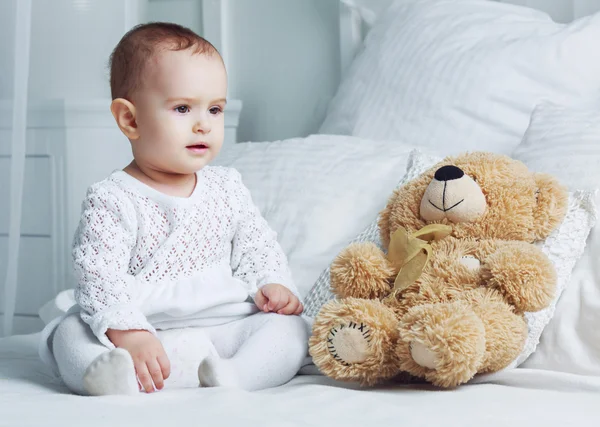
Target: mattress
[(31, 396)]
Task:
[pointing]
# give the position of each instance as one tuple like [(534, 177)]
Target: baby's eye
[(215, 110), (182, 109)]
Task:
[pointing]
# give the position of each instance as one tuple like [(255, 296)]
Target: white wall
[(284, 64), (70, 45), (183, 12), (7, 48)]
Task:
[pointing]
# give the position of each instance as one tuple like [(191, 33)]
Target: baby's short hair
[(129, 58)]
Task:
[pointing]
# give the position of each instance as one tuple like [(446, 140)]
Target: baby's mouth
[(197, 147)]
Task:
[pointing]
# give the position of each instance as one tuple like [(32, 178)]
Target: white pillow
[(564, 247), (563, 141), (316, 193), (462, 75), (566, 142)]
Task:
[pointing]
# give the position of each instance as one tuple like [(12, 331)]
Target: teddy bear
[(445, 299)]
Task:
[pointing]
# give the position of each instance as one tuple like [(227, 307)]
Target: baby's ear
[(124, 113), (551, 205)]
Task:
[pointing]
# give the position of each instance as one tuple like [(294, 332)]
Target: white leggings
[(265, 350)]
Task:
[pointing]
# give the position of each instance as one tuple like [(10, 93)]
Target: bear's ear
[(551, 205)]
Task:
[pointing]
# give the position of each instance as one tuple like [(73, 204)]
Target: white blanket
[(30, 396)]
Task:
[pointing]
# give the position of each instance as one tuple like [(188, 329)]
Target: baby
[(171, 242)]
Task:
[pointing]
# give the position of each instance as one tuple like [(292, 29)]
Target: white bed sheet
[(31, 396)]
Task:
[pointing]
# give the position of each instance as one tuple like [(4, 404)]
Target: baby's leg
[(88, 367), (185, 348), (261, 351)]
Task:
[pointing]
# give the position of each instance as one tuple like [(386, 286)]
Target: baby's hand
[(274, 297), (149, 357)]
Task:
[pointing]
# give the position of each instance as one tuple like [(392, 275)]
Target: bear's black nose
[(448, 173)]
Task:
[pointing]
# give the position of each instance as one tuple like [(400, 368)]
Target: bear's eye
[(537, 194)]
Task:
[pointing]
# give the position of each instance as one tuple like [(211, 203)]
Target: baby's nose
[(201, 127)]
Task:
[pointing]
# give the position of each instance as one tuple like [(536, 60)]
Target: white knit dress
[(146, 260)]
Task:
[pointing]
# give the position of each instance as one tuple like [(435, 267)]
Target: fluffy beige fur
[(464, 314)]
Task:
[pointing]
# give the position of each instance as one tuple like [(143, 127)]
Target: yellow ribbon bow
[(409, 253)]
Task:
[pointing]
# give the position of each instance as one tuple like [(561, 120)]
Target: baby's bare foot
[(111, 373)]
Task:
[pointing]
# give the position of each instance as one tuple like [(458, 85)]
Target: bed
[(29, 396), (301, 187)]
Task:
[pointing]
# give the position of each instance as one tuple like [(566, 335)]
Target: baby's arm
[(257, 258), (105, 290), (101, 253)]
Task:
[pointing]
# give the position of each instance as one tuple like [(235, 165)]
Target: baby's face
[(179, 111)]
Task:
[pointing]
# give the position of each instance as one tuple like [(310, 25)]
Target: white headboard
[(357, 16)]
